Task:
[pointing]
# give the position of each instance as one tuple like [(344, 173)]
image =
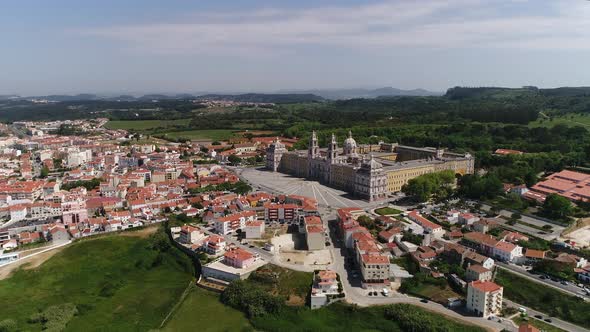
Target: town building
[(314, 233), (477, 272), (190, 234), (254, 229), (324, 287), (484, 298)]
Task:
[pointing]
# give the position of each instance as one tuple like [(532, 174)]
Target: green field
[(544, 299), (568, 119), (387, 211), (146, 125), (212, 134), (202, 309), (117, 283)]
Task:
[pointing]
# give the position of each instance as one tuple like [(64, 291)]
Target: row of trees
[(437, 185)]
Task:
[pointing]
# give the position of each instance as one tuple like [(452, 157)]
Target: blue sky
[(148, 46)]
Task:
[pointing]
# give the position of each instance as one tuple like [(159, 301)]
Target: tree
[(434, 185), (234, 160), (557, 206), (366, 222), (44, 172)]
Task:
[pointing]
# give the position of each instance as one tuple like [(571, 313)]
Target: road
[(570, 288), (554, 321)]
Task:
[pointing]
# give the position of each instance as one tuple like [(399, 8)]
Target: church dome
[(349, 144)]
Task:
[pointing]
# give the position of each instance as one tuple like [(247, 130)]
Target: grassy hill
[(115, 283)]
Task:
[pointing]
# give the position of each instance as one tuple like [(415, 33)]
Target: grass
[(336, 317), (293, 285), (202, 309), (119, 283), (544, 299), (569, 120), (343, 317), (538, 324), (212, 134), (435, 293), (387, 211), (145, 125)]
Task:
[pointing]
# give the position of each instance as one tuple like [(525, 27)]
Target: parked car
[(424, 301), (548, 320), (539, 316), (563, 282)]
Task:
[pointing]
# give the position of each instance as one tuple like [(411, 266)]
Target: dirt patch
[(142, 233), (295, 301), (29, 262)]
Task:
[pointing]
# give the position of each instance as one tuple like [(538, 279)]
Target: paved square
[(279, 183)]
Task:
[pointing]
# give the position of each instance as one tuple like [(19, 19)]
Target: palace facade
[(367, 172)]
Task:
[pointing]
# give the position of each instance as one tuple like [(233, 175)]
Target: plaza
[(279, 183)]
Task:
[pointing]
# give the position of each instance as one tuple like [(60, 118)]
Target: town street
[(570, 288)]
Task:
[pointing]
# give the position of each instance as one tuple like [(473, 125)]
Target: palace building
[(367, 172)]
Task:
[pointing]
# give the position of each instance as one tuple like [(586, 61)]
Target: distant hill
[(567, 91), (501, 92), (9, 97), (490, 92), (278, 98), (334, 94)]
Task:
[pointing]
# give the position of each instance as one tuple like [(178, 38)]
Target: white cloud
[(563, 24)]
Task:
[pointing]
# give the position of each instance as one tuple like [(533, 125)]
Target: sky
[(190, 46)]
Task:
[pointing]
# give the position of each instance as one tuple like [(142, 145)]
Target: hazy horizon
[(142, 47)]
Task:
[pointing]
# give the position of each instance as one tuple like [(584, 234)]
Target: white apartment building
[(507, 252), (484, 298), (254, 229), (77, 158)]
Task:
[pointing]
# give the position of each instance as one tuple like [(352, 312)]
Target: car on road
[(538, 316), (563, 282), (424, 301), (548, 320), (543, 277)]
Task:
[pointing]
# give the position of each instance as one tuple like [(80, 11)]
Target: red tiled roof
[(485, 286)]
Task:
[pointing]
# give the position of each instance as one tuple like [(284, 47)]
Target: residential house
[(477, 272), (190, 234), (325, 284), (238, 258)]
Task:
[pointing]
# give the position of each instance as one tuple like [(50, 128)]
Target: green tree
[(557, 206), (434, 185), (44, 172), (234, 160)]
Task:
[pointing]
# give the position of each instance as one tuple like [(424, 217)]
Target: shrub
[(8, 325), (56, 317)]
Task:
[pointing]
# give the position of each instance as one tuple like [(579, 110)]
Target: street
[(570, 288)]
